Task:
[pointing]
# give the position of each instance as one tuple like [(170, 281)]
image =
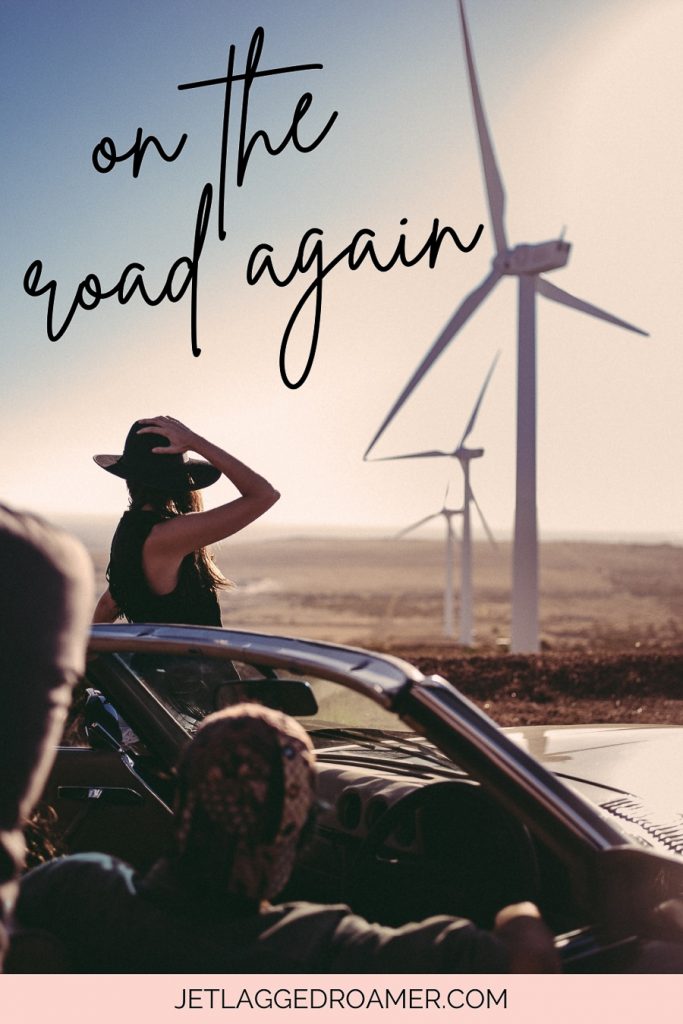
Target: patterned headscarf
[(246, 789)]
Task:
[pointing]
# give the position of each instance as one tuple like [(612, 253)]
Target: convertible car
[(426, 806)]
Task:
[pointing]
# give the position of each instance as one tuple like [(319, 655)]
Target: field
[(611, 618)]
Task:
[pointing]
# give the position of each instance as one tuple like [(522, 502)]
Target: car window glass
[(193, 686)]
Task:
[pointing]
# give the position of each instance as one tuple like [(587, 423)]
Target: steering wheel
[(445, 848)]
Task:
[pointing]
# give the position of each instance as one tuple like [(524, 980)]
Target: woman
[(160, 569)]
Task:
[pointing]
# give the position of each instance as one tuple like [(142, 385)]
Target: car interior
[(401, 832)]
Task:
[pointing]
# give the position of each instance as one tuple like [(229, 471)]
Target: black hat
[(139, 464)]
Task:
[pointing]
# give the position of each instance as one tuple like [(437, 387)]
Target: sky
[(583, 103)]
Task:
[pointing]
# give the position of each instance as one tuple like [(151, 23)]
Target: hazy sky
[(583, 102)]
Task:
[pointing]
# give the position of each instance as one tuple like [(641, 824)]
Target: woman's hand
[(181, 439), (106, 609)]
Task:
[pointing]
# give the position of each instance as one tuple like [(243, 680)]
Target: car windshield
[(191, 687)]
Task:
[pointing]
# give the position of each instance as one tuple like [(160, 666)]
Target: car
[(426, 805)]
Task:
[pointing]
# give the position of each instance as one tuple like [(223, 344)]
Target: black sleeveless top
[(193, 602)]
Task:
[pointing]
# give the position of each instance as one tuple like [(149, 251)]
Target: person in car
[(245, 797), (160, 569), (46, 593)]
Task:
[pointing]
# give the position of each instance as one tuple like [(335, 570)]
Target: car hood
[(642, 760)]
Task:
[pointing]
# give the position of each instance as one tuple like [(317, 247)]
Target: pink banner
[(162, 999)]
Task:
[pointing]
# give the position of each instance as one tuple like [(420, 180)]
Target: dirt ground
[(611, 618), (568, 688)]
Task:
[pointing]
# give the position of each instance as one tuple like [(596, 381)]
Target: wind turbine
[(464, 456), (527, 263), (448, 514)]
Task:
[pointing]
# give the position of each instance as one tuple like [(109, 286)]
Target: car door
[(102, 804), (111, 786)]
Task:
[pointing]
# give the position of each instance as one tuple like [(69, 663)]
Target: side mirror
[(291, 696)]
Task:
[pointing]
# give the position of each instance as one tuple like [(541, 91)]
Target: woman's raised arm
[(179, 536)]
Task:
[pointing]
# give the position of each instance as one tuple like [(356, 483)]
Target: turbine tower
[(464, 456), (527, 263), (448, 514)]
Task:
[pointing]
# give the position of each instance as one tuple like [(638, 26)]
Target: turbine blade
[(486, 526), (414, 526), (475, 412), (464, 311), (551, 291), (494, 183), (412, 455)]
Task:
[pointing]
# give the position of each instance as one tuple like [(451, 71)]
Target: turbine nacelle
[(533, 259), (466, 454)]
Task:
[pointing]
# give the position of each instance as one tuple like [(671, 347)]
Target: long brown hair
[(177, 504)]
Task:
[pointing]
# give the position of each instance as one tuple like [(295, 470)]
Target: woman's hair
[(179, 503)]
